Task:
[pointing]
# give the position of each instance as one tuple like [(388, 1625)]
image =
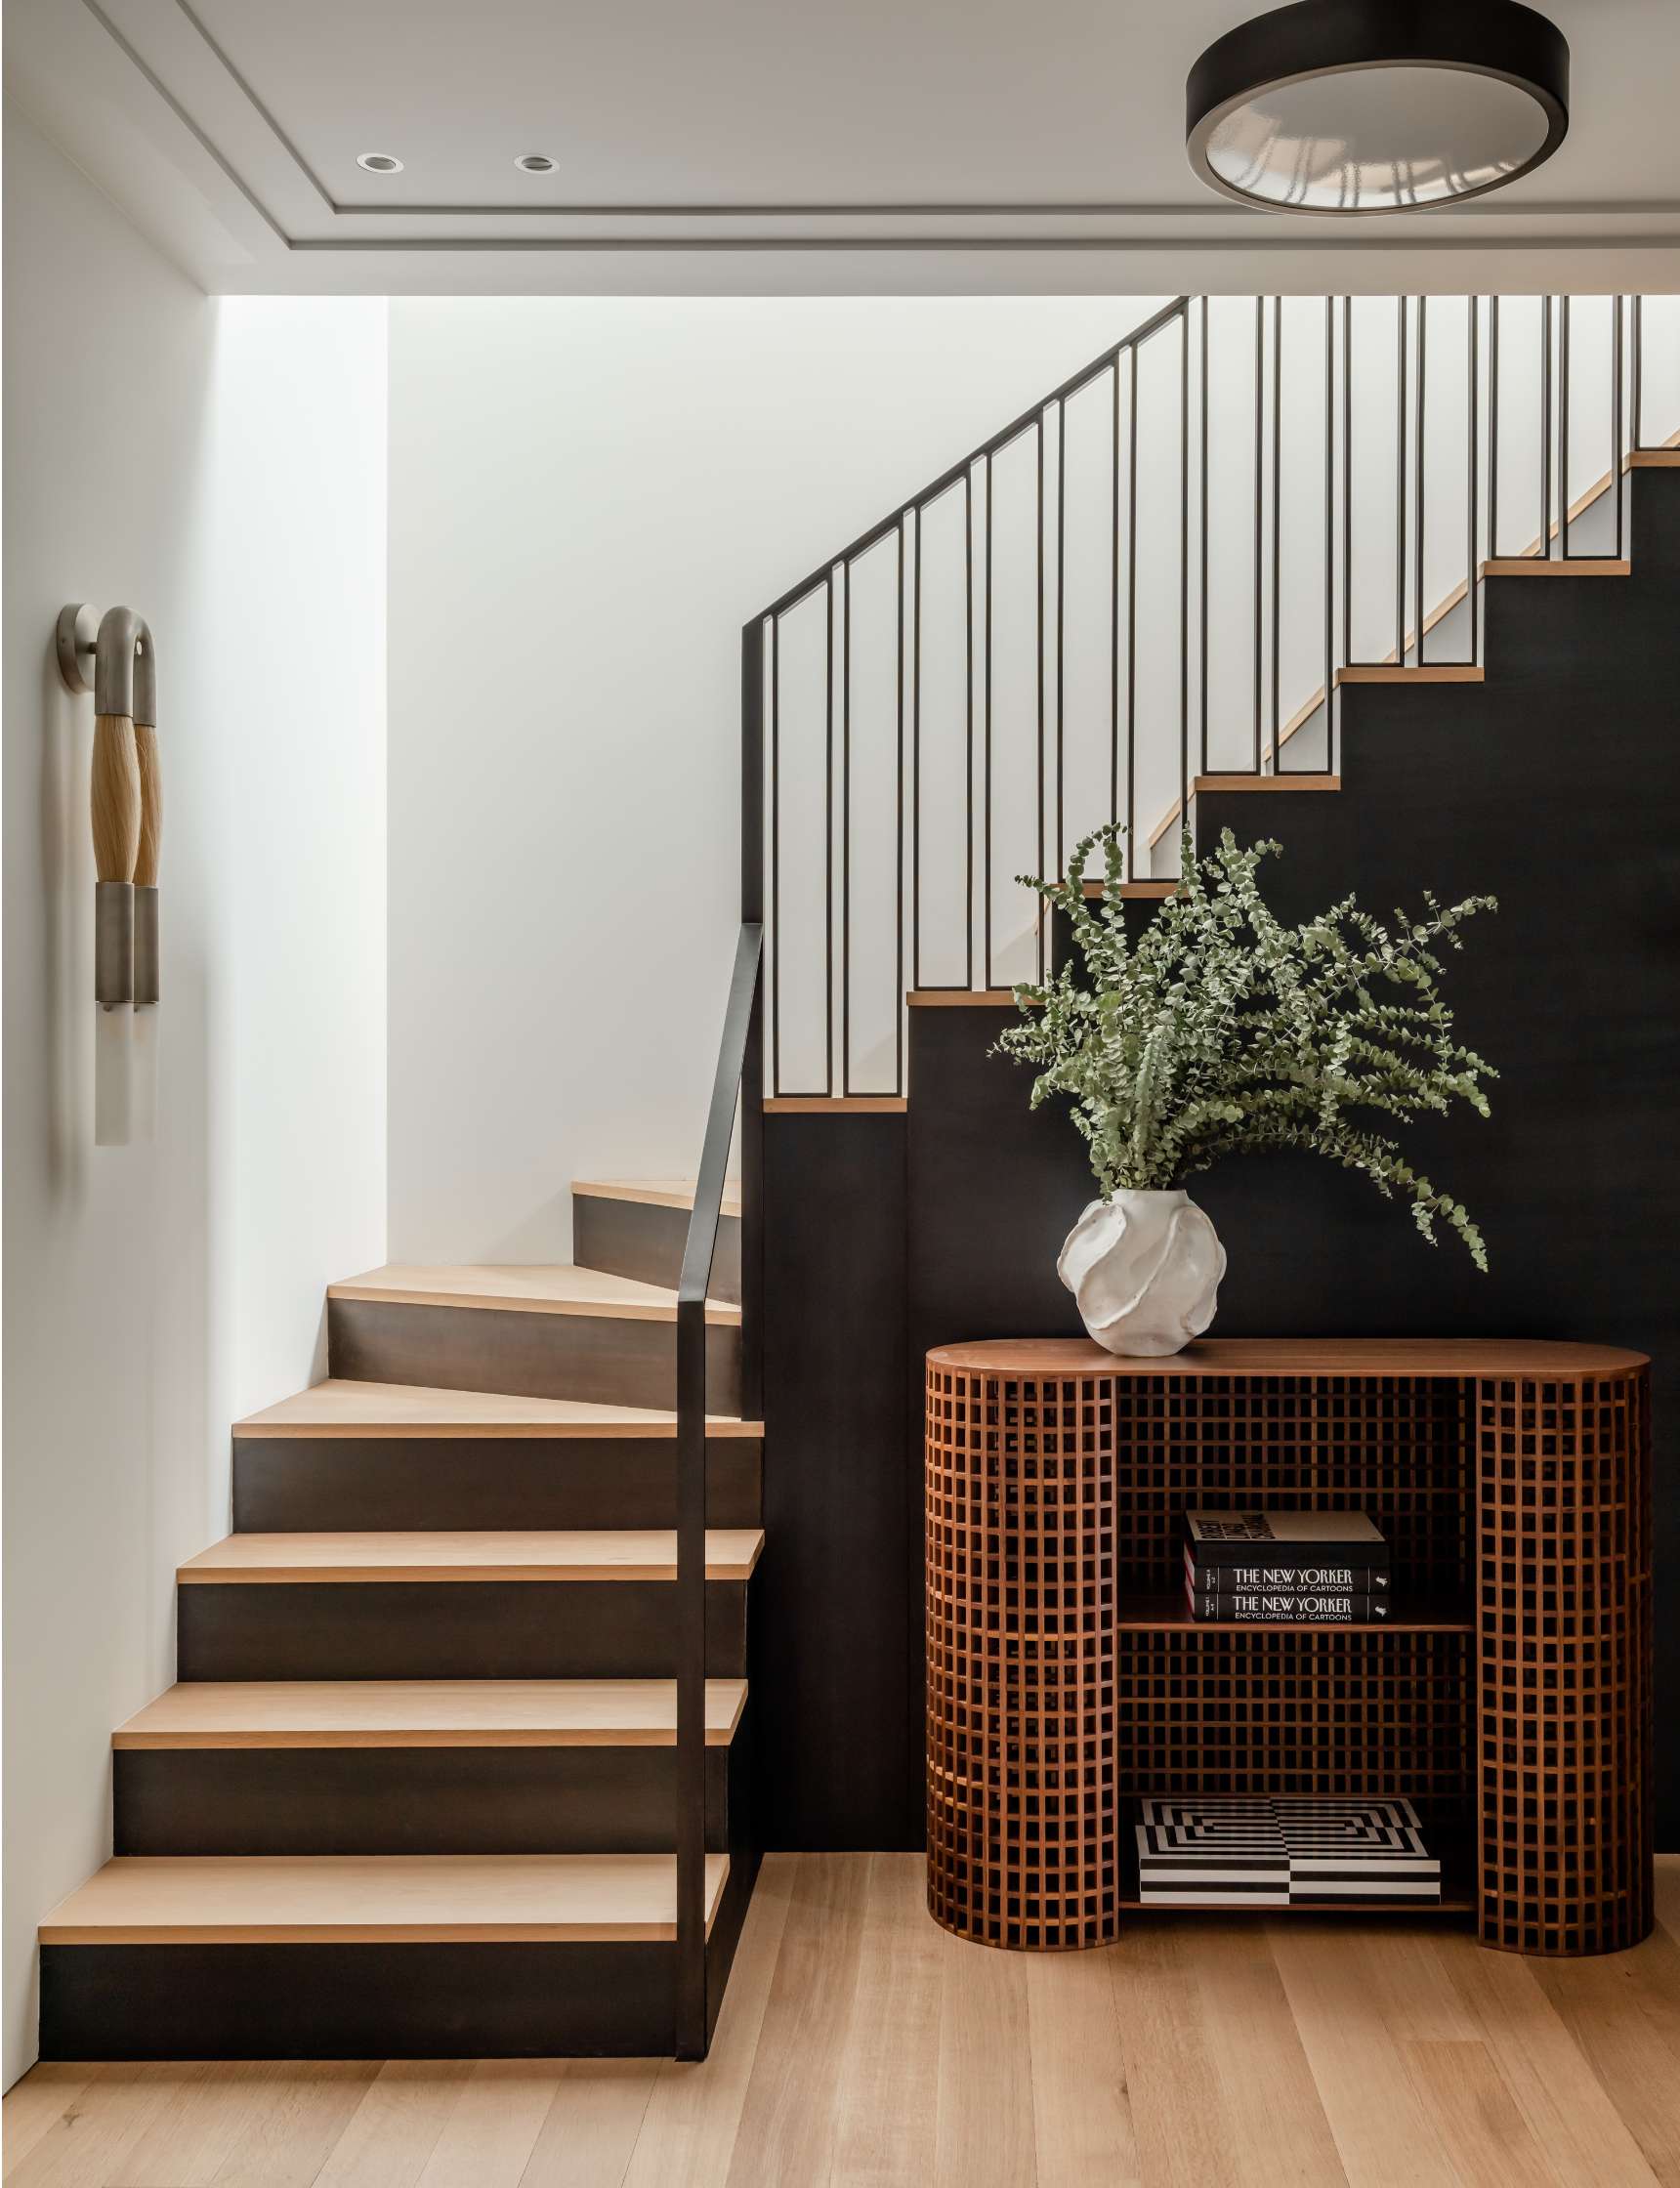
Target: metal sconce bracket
[(125, 680), (78, 640)]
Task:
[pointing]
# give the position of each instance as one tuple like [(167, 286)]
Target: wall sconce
[(126, 801)]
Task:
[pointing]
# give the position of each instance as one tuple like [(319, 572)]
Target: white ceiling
[(778, 145)]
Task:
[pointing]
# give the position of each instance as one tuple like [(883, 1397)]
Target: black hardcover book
[(1263, 1577), (1283, 1538), (1291, 1607)]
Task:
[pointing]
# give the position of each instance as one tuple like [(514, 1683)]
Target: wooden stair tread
[(1540, 566), (426, 1714), (1143, 892), (1285, 781), (835, 1105), (520, 1287), (654, 1192), (1432, 672), (526, 1555), (378, 1899), (338, 1407)]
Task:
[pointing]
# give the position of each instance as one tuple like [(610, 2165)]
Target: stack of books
[(1286, 1568), (1206, 1852)]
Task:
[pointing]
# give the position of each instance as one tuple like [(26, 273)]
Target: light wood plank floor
[(861, 2046)]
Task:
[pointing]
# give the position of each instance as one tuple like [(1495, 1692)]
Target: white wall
[(588, 497), (220, 468)]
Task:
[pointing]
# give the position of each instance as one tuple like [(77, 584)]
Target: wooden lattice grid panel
[(1023, 1821), (1563, 1588)]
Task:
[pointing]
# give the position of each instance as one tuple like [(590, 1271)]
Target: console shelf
[(1509, 1697)]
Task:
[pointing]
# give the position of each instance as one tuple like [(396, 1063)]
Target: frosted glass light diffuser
[(1373, 107), (142, 1087), (114, 1076)]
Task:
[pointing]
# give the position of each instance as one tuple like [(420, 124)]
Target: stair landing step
[(654, 1192), (523, 1287), (626, 1554), (426, 1714), (338, 1407), (384, 1899)]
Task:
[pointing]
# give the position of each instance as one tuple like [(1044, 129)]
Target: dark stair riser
[(635, 1239), (373, 2002), (457, 1629), (329, 1484), (417, 1801), (608, 1360)]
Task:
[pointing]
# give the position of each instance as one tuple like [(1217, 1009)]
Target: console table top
[(1529, 1358)]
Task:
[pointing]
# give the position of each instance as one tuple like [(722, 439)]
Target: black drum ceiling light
[(1377, 106)]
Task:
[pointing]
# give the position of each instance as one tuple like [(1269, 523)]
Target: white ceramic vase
[(1144, 1268)]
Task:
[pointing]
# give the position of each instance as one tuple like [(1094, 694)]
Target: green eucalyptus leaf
[(1223, 1032)]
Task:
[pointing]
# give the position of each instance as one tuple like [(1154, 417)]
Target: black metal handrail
[(693, 2005), (738, 1079)]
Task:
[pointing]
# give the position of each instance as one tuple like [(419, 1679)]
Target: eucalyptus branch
[(1221, 1030)]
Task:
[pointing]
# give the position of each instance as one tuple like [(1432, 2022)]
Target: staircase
[(416, 1792), (458, 1762)]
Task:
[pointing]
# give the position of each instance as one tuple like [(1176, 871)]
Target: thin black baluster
[(1347, 479), (1115, 622), (829, 841), (1399, 496), (1616, 414), (1132, 628), (985, 849), (1039, 902), (1492, 428), (1417, 496), (1639, 372), (776, 852), (1259, 509), (1564, 430), (1276, 530), (1203, 768), (1329, 524), (845, 830), (1061, 627), (897, 841), (968, 776), (916, 765), (1184, 565), (1545, 427), (1475, 370)]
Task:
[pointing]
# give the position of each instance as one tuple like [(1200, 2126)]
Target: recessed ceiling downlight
[(379, 163), (1377, 106), (534, 163)]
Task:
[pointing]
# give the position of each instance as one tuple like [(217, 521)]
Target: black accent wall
[(831, 1667), (1555, 785)]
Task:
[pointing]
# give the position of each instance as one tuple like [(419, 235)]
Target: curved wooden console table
[(1509, 1697)]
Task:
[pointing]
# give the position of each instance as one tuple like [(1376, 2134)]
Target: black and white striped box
[(1283, 1852)]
